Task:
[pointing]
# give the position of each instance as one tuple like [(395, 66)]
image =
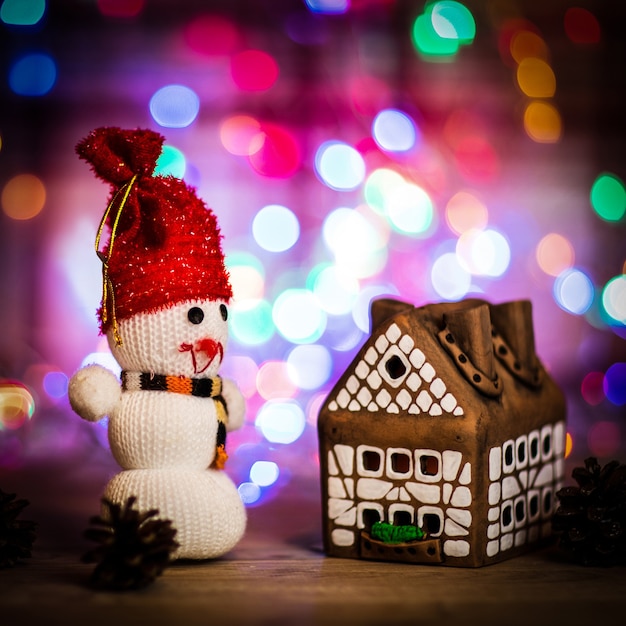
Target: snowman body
[(164, 312), (166, 441)]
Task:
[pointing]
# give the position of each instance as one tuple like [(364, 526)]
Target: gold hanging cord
[(108, 293)]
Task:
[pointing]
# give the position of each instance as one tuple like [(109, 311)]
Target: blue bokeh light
[(174, 106), (34, 74)]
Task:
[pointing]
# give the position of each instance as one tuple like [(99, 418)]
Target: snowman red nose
[(203, 352)]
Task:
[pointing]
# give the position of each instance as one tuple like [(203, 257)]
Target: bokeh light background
[(350, 148)]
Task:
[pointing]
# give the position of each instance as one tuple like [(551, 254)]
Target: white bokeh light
[(281, 421), (298, 316), (310, 366), (614, 298), (275, 228), (339, 166), (574, 291), (484, 252), (449, 278), (394, 131)]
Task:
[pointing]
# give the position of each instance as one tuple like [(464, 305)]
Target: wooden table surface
[(278, 575)]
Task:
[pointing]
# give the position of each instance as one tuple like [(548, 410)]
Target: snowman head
[(166, 288), (187, 339)]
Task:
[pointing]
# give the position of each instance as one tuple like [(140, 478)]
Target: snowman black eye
[(195, 315), (224, 311)]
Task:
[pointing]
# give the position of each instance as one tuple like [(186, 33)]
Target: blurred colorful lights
[(542, 122), (604, 438), (212, 35), (608, 197), (251, 322), (172, 162), (247, 277), (442, 29), (275, 228), (528, 45), (278, 154), (55, 384), (298, 316), (335, 290), (574, 291), (241, 135), (273, 381), (339, 166), (581, 26), (22, 12), (394, 131), (410, 209), (23, 197), (592, 388), (33, 74), (16, 405), (357, 243), (281, 421), (484, 252), (453, 20), (330, 7), (120, 8), (310, 366), (615, 384), (254, 70), (449, 278), (536, 78), (264, 473), (614, 298), (174, 106), (464, 211), (555, 254), (249, 492)]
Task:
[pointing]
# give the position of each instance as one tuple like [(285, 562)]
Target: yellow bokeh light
[(525, 44), (554, 254), (464, 212), (23, 197), (536, 78), (569, 445), (542, 122)]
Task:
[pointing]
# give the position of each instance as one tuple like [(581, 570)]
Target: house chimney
[(513, 320), (471, 329)]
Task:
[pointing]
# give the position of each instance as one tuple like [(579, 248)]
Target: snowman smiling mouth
[(203, 352)]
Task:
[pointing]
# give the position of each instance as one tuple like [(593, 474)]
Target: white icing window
[(394, 366), (428, 466), (534, 449), (370, 461), (401, 514), (430, 519), (368, 513), (399, 463)]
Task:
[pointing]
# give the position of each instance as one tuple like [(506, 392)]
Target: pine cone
[(16, 536), (133, 550), (591, 518)]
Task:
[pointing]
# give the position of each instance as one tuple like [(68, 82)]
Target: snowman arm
[(235, 403), (94, 392)]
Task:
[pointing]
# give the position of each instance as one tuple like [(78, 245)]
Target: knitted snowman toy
[(164, 311)]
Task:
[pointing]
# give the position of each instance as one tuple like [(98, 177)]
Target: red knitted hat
[(165, 243)]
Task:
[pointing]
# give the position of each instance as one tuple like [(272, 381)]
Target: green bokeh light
[(608, 197), (252, 326), (172, 162), (22, 12), (439, 32)]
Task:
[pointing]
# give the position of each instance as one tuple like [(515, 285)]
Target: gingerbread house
[(445, 420)]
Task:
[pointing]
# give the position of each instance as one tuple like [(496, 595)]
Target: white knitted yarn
[(164, 441), (204, 506)]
